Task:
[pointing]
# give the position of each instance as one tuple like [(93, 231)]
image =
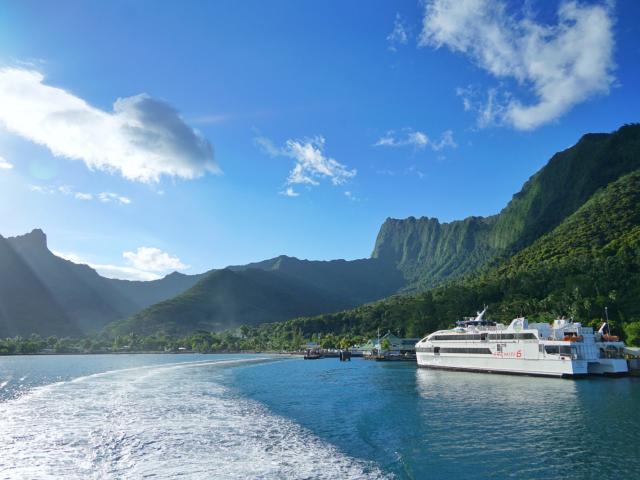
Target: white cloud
[(289, 192), (416, 139), (146, 263), (153, 259), (267, 146), (107, 197), (386, 141), (110, 271), (5, 165), (124, 273), (561, 65), (349, 194), (311, 164), (83, 196), (143, 139), (490, 106), (52, 189), (399, 35), (446, 140), (44, 189)]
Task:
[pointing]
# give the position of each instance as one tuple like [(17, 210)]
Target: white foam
[(166, 421)]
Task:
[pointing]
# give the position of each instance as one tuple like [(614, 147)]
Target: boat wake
[(163, 421)]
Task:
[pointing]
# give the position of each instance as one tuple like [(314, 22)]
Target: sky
[(145, 137)]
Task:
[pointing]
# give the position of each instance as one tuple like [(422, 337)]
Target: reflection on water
[(527, 427)]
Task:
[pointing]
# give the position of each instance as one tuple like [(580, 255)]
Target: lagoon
[(266, 416)]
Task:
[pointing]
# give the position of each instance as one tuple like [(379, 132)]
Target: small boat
[(312, 355)]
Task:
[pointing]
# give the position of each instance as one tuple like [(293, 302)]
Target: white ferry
[(563, 349)]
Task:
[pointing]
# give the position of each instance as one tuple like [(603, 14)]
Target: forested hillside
[(226, 299)]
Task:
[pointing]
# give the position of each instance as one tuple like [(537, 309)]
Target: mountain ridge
[(409, 255)]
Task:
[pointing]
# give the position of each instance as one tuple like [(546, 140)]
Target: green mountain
[(588, 262), (227, 298), (428, 252), (45, 294), (271, 290), (411, 255)]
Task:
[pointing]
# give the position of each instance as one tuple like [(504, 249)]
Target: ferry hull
[(540, 367), (613, 367)]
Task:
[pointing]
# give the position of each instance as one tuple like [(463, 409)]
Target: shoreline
[(39, 354)]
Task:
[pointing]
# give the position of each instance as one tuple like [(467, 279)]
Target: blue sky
[(149, 136)]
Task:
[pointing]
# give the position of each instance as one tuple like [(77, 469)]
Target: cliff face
[(428, 252)]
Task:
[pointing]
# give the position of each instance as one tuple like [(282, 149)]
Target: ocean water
[(264, 417)]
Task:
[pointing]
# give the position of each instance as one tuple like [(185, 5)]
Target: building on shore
[(359, 350), (387, 345), (632, 355)]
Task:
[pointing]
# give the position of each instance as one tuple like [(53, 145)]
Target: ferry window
[(541, 348), (456, 337), (484, 351), (436, 350), (499, 346), (501, 336), (525, 336), (558, 349)]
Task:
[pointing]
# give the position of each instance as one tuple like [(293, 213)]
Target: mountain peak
[(36, 239), (175, 274)]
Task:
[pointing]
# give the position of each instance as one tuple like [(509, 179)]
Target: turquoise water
[(257, 416)]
